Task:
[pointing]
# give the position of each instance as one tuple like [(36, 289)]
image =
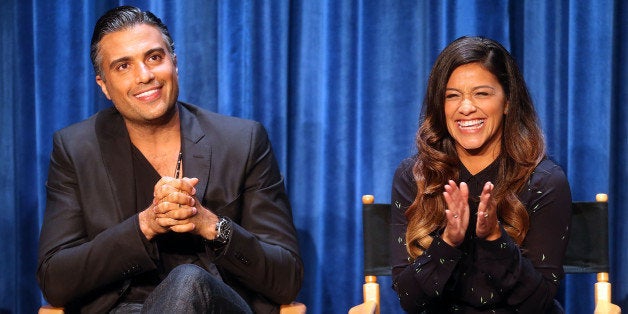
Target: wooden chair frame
[(292, 308)]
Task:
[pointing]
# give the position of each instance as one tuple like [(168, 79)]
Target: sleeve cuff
[(502, 248), (440, 249), (149, 246)]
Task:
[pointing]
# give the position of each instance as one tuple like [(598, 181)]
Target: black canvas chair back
[(376, 230), (587, 250)]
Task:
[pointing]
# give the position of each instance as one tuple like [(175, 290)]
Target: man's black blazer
[(91, 244)]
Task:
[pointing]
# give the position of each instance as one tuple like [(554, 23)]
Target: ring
[(485, 215)]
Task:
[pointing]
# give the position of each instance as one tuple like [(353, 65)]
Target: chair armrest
[(293, 308), (49, 309), (368, 307), (604, 307)]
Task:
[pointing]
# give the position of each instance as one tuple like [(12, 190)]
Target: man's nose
[(144, 73)]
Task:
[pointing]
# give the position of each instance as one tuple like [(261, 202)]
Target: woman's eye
[(483, 93), (451, 96)]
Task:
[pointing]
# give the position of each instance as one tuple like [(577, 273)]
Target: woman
[(480, 215)]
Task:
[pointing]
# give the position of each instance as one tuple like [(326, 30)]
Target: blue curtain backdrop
[(338, 84)]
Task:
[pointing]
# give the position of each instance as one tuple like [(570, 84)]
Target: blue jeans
[(189, 289)]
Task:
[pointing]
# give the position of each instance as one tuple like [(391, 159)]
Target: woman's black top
[(482, 276)]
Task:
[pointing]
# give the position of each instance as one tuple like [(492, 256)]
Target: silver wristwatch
[(223, 231)]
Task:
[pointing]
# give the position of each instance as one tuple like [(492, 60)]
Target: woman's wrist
[(495, 234)]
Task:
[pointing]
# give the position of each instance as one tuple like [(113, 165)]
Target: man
[(157, 205)]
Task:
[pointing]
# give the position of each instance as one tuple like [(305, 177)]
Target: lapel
[(115, 147), (197, 150), (197, 153)]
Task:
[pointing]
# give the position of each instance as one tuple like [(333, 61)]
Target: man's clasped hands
[(175, 208)]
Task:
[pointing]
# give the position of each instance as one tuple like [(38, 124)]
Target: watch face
[(223, 232)]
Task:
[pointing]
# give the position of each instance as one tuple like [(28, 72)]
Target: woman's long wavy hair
[(522, 144)]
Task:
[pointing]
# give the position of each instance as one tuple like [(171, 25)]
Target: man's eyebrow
[(158, 49), (113, 63), (126, 58)]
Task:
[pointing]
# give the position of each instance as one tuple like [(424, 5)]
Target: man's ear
[(103, 86)]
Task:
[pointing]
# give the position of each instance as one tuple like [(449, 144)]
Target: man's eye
[(122, 66), (155, 58)]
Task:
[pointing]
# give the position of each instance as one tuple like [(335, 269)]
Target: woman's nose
[(467, 106)]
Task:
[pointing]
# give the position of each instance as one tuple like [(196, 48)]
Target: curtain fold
[(339, 85)]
